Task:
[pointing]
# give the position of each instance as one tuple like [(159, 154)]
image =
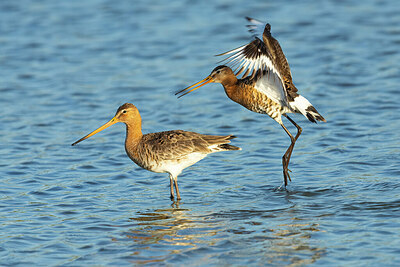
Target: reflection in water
[(174, 230), (292, 245), (289, 244), (59, 206), (160, 234)]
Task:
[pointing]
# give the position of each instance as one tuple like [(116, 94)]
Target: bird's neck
[(133, 136), (231, 87)]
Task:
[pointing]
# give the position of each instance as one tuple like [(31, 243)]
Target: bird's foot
[(175, 204), (286, 174), (280, 187)]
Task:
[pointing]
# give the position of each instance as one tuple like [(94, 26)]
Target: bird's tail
[(301, 105), (226, 146), (219, 143), (229, 147)]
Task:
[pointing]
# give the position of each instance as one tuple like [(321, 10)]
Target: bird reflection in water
[(292, 245), (161, 234), (175, 230)]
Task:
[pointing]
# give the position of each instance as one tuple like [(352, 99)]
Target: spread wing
[(277, 54), (256, 27), (257, 63), (263, 31)]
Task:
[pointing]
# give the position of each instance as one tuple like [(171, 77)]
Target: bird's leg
[(178, 196), (299, 130), (286, 156), (175, 204), (171, 187)]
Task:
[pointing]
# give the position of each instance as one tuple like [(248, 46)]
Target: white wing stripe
[(235, 57), (233, 51), (251, 58), (252, 64)]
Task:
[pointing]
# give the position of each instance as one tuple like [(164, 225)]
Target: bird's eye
[(218, 71), (124, 111)]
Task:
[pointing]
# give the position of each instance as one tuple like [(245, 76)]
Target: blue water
[(66, 66)]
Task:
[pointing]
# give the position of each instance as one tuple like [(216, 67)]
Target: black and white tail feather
[(255, 60)]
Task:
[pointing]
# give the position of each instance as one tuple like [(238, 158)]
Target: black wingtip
[(229, 147), (231, 137)]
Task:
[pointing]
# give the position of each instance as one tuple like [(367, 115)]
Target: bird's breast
[(158, 161), (253, 100)]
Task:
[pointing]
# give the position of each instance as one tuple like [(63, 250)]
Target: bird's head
[(220, 74), (127, 113)]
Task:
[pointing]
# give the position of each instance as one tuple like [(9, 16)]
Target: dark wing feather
[(280, 61), (277, 53), (251, 58), (256, 60), (256, 27)]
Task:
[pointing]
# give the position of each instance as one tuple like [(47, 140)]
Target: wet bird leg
[(285, 161), (299, 130), (178, 196), (288, 153), (171, 187)]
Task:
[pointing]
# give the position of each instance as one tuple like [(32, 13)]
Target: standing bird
[(266, 85), (170, 151)]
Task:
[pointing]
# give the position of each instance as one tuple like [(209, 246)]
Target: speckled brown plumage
[(242, 92), (266, 84), (155, 148), (169, 151)]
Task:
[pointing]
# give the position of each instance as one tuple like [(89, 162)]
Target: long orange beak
[(108, 124), (195, 86)]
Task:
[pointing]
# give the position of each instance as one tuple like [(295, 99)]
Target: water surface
[(67, 66)]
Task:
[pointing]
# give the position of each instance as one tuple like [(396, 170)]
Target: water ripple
[(67, 66)]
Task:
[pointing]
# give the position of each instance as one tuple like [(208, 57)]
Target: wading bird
[(170, 151), (266, 85)]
